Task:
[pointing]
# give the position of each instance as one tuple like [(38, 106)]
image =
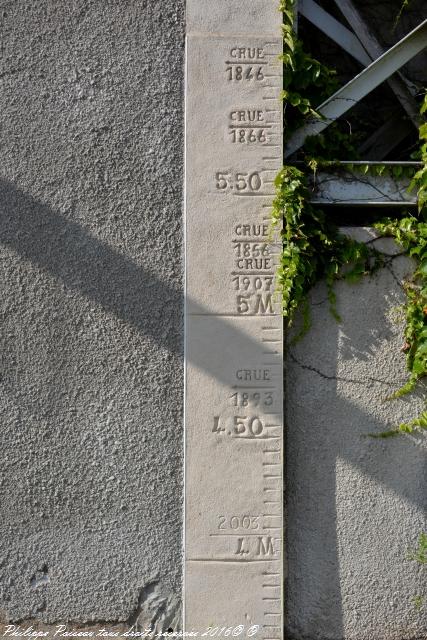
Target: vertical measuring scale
[(234, 388)]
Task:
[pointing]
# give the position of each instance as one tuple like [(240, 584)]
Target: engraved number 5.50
[(239, 181)]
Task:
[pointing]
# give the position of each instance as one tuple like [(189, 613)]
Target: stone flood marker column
[(233, 406)]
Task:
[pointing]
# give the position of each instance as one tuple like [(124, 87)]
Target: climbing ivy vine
[(419, 555), (313, 247), (404, 5)]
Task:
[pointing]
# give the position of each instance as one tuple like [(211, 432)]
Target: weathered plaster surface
[(91, 308), (355, 504)]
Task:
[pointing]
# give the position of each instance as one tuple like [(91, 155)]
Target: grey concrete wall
[(91, 345), (91, 309), (355, 504)]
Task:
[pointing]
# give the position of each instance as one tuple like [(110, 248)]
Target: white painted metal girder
[(334, 30), (349, 185), (402, 89), (361, 85)]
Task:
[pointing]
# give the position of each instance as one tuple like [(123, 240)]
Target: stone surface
[(355, 504), (233, 17), (234, 387), (91, 135)]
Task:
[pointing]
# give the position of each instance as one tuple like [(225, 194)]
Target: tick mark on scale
[(250, 126), (239, 535), (252, 62), (236, 386), (258, 195), (271, 586), (271, 626)]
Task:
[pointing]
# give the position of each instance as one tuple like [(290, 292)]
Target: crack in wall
[(387, 265), (325, 376)]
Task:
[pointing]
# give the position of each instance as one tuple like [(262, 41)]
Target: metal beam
[(385, 139), (344, 185), (296, 11), (359, 26), (361, 85), (398, 84), (334, 30)]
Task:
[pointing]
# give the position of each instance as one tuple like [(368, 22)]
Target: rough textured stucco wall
[(355, 504), (90, 308)]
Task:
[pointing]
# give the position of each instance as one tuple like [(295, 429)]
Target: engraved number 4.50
[(242, 426)]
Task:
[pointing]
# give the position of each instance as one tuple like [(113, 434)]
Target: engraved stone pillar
[(233, 406)]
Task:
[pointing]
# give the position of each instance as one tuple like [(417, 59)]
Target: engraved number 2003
[(238, 522)]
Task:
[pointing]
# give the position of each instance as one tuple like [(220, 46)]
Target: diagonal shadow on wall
[(88, 265), (346, 492)]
